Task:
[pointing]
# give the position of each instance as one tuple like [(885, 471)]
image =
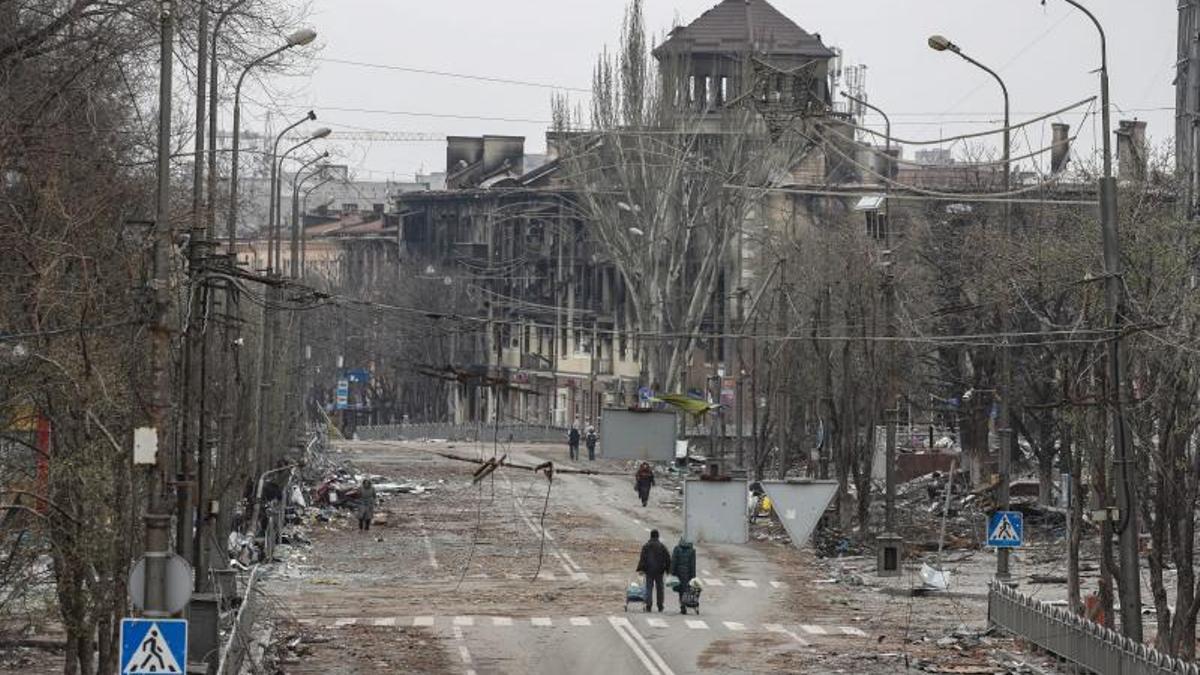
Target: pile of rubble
[(341, 489)]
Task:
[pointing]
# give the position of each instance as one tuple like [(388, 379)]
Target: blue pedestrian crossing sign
[(1006, 529), (153, 646)]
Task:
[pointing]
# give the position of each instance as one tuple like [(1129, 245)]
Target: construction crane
[(384, 136), (369, 136)]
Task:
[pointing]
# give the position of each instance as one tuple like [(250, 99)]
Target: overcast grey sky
[(1045, 54)]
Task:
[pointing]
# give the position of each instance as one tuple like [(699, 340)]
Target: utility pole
[(193, 426), (889, 300), (1187, 103), (158, 518)]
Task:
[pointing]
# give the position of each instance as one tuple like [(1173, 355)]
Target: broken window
[(877, 225)]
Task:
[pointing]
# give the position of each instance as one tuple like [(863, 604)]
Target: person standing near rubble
[(683, 566), (573, 441), (590, 439), (643, 480), (654, 563), (366, 505)]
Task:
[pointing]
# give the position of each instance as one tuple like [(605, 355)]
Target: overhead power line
[(461, 76), (411, 113)]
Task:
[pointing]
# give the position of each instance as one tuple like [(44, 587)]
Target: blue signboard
[(342, 396), (358, 375), (645, 394), (153, 646), (1006, 529)]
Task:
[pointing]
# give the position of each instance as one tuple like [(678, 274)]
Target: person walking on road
[(683, 566), (366, 505), (643, 480), (573, 442), (590, 439), (654, 563)]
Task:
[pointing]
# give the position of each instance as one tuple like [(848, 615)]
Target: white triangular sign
[(153, 656)]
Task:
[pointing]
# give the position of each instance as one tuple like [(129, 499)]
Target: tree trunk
[(1045, 478), (1075, 516)]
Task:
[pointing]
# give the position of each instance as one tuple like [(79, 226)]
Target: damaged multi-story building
[(559, 328)]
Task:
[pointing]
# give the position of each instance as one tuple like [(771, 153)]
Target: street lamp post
[(1124, 466), (304, 209), (297, 183), (214, 98), (889, 298), (942, 44), (297, 39), (274, 264), (276, 221), (266, 439)]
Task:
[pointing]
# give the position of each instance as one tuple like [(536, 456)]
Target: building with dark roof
[(743, 48)]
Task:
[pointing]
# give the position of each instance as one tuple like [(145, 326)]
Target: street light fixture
[(297, 39), (941, 43)]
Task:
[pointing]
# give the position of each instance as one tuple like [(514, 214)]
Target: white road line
[(851, 630), (566, 556), (423, 621), (549, 576), (345, 622), (433, 561), (463, 652), (696, 624), (776, 628), (541, 621), (747, 583), (390, 621), (713, 582), (464, 621), (580, 621), (656, 623), (735, 626), (705, 573), (641, 648), (813, 630), (579, 576), (502, 621), (512, 577), (779, 584)]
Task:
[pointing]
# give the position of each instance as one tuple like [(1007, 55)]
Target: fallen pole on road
[(494, 464)]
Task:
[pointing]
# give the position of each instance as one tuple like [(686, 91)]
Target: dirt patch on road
[(352, 650)]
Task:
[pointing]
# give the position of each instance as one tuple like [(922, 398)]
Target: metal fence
[(1077, 640), (516, 433), (237, 644)]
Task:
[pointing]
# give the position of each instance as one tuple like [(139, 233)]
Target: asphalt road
[(621, 642), (453, 571)]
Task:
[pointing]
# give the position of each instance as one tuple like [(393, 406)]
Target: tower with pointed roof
[(741, 49)]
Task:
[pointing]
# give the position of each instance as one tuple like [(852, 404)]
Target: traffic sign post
[(1006, 529), (153, 646)]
